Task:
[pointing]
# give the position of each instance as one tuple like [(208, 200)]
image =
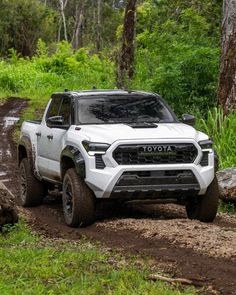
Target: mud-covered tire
[(204, 208), (78, 200), (31, 189)]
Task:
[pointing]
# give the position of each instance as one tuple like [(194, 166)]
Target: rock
[(8, 211), (227, 184)]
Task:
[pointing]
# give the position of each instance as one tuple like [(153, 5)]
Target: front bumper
[(104, 182)]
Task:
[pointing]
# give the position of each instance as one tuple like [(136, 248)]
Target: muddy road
[(204, 253)]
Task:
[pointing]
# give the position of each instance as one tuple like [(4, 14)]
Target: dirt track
[(205, 253)]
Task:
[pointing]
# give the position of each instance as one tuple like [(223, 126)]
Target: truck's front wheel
[(204, 208), (31, 189), (78, 200)]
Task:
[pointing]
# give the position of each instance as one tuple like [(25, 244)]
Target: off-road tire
[(204, 208), (78, 200), (31, 189)]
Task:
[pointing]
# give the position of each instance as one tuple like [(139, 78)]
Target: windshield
[(123, 109)]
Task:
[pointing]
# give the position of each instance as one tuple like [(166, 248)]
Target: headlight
[(205, 144), (93, 148)]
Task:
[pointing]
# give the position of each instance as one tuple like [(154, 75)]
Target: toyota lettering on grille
[(157, 149)]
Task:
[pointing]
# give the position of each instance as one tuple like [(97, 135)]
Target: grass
[(227, 207), (222, 130), (31, 264), (37, 78)]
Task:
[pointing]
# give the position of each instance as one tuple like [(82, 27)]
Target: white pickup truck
[(117, 145)]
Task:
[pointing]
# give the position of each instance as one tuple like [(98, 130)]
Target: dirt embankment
[(201, 252)]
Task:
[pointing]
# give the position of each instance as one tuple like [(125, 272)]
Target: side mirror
[(188, 119), (57, 122)]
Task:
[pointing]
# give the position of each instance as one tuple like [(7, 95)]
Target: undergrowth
[(227, 207), (35, 265), (38, 77), (222, 130)]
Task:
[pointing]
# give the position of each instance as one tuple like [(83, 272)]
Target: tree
[(99, 41), (227, 80), (62, 21), (77, 38), (22, 23), (126, 66)]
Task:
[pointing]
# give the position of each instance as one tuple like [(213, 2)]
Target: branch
[(156, 277)]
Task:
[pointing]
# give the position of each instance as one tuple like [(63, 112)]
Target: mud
[(9, 116), (8, 211), (204, 253)]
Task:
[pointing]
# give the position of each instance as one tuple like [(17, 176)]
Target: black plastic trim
[(99, 162), (75, 155)]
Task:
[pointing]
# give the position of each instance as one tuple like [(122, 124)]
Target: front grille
[(99, 162), (147, 154)]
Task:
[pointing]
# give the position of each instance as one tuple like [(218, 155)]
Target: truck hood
[(113, 132)]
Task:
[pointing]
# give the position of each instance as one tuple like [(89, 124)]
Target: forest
[(183, 50)]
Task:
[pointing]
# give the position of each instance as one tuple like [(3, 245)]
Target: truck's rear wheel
[(204, 208), (31, 189), (78, 200)]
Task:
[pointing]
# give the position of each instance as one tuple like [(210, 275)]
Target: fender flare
[(76, 157)]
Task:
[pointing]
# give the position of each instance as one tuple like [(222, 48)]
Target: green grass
[(35, 265), (37, 78), (227, 207), (222, 130)]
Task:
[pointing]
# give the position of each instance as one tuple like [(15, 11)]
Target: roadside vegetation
[(36, 265), (222, 130)]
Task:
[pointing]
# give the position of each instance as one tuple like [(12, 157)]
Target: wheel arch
[(71, 157), (25, 149)]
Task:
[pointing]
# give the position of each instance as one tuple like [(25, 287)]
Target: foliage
[(227, 207), (36, 265), (178, 53), (22, 22), (222, 131), (38, 77)]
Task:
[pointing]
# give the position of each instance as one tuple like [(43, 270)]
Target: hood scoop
[(142, 125)]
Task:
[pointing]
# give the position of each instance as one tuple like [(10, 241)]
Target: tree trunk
[(126, 64), (99, 39), (79, 19), (62, 6), (227, 80)]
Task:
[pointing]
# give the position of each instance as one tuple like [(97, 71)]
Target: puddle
[(9, 121)]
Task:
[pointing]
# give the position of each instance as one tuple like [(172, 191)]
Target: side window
[(54, 108), (65, 110)]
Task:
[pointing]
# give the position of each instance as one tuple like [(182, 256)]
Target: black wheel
[(78, 200), (204, 208), (31, 189)]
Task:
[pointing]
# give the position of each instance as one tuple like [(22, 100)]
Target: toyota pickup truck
[(125, 146)]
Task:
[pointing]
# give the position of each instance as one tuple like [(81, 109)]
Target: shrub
[(222, 131)]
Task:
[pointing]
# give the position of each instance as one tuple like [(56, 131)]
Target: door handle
[(50, 137), (38, 134)]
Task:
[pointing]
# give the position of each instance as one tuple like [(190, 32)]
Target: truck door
[(50, 142)]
